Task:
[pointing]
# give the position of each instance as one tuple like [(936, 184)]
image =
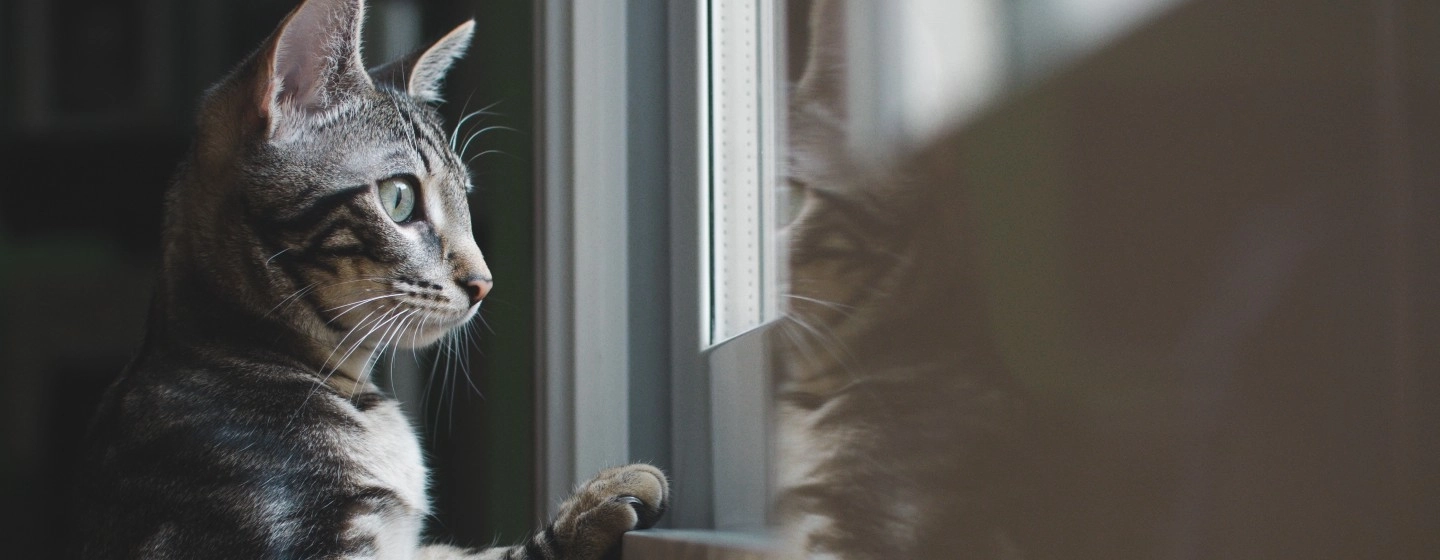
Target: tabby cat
[(898, 428), (319, 219)]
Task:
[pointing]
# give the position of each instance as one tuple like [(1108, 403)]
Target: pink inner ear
[(316, 55), (303, 57)]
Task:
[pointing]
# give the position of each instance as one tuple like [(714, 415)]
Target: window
[(743, 265), (659, 265)]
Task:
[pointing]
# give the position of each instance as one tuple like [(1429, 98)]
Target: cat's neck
[(192, 313)]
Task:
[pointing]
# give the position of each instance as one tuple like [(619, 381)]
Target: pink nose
[(476, 287)]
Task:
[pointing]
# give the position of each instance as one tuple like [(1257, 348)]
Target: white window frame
[(620, 382)]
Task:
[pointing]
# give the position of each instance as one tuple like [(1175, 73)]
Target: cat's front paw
[(615, 501)]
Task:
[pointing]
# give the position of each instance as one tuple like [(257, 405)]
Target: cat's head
[(847, 241), (328, 196), (879, 250)]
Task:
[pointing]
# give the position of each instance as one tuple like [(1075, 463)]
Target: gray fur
[(248, 426)]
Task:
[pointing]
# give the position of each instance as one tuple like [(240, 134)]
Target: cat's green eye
[(397, 197)]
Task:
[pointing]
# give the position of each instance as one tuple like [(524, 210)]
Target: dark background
[(97, 98)]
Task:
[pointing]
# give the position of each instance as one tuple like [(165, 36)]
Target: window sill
[(673, 544)]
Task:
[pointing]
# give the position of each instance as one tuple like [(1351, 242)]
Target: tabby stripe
[(280, 253), (414, 134), (322, 208), (434, 135), (431, 239), (419, 150)]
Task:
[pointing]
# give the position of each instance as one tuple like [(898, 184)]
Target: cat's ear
[(822, 82), (421, 73), (312, 61)]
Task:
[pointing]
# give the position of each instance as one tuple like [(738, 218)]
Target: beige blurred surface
[(1207, 253)]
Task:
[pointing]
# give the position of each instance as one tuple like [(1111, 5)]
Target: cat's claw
[(646, 516)]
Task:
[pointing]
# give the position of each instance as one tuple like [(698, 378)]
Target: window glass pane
[(919, 65), (743, 272)]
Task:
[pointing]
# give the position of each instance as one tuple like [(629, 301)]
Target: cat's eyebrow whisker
[(482, 111), (477, 156), (463, 116), (483, 130)]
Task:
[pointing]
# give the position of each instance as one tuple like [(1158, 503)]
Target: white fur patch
[(388, 455)]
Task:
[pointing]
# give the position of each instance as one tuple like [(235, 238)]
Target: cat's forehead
[(383, 135)]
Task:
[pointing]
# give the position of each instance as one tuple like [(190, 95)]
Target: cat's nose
[(476, 287)]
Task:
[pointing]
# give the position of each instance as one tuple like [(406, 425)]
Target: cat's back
[(223, 457)]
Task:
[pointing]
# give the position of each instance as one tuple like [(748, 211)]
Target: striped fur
[(898, 430), (248, 426)]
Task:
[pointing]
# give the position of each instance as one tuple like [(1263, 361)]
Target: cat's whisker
[(801, 340), (325, 378), (400, 335), (447, 388), (461, 121), (840, 307), (446, 352), (293, 295), (312, 287), (361, 341), (477, 156), (843, 357), (396, 350), (415, 335), (478, 133), (465, 371), (349, 332), (387, 338), (364, 301), (479, 314), (482, 111), (438, 353), (438, 372), (378, 353), (471, 336), (341, 344), (353, 305)]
